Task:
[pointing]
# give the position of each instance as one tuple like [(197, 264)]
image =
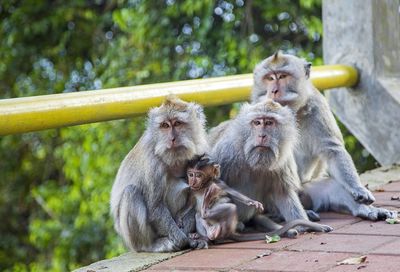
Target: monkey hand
[(259, 207), (362, 195)]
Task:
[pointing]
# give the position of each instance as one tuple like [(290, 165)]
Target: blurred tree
[(55, 184)]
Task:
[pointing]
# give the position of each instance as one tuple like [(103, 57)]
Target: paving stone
[(294, 261), (209, 259), (337, 224), (384, 199), (374, 263), (341, 243), (283, 243), (333, 215), (391, 248), (394, 186), (371, 228)]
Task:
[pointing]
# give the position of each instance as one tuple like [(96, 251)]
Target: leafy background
[(55, 184)]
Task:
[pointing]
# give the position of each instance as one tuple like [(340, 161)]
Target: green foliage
[(55, 184)]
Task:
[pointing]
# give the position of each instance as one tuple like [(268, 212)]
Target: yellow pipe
[(19, 115)]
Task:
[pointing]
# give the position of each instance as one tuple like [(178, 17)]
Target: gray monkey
[(320, 155), (255, 151), (150, 187)]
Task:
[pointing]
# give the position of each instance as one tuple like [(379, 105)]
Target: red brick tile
[(384, 199), (283, 243), (294, 261), (208, 259), (390, 187), (391, 248), (374, 263), (339, 223), (371, 228), (341, 243), (332, 215)]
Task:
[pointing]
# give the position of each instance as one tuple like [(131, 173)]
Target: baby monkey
[(216, 215)]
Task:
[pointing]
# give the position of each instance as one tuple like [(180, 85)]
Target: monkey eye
[(256, 122), (164, 125), (269, 78), (190, 175), (269, 122), (282, 76), (199, 175), (178, 123)]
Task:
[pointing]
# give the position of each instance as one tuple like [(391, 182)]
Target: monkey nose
[(275, 91)]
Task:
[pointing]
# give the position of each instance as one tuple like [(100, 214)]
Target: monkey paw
[(194, 236), (198, 244), (374, 214), (259, 207), (362, 195)]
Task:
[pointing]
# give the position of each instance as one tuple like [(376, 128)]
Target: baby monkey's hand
[(259, 207)]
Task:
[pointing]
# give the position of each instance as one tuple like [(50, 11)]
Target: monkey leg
[(329, 195)]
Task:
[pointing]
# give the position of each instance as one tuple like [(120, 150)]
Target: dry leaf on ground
[(354, 260)]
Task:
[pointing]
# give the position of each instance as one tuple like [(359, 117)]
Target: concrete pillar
[(366, 34)]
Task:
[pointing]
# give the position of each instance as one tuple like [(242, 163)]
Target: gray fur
[(269, 177), (320, 152), (150, 186)]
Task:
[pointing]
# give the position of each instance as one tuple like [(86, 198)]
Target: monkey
[(150, 187), (216, 216), (326, 170), (256, 154)]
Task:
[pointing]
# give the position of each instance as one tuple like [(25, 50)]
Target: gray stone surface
[(128, 262), (380, 176), (366, 34)]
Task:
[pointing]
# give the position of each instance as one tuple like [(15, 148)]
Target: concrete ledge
[(129, 262)]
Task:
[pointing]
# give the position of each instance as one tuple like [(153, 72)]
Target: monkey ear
[(307, 67), (217, 170)]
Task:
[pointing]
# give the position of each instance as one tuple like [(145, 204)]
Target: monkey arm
[(161, 219), (239, 197), (341, 168)]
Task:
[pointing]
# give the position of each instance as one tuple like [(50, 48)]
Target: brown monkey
[(150, 188), (320, 155), (256, 154)]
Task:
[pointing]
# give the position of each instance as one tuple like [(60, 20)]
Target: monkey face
[(268, 131), (281, 77), (262, 145), (196, 179), (279, 87), (176, 131)]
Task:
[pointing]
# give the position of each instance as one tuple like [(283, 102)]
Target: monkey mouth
[(261, 147)]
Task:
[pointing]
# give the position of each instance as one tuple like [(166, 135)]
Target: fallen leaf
[(272, 239), (355, 260), (395, 198), (392, 221), (379, 190)]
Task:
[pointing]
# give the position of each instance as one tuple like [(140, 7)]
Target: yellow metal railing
[(19, 115)]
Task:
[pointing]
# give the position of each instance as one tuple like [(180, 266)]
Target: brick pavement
[(352, 237)]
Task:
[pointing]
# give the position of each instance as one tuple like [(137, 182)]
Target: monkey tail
[(292, 224), (243, 237)]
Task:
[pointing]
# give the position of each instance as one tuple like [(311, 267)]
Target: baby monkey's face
[(201, 178)]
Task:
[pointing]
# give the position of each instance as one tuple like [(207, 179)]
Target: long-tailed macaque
[(320, 155), (216, 215), (255, 151), (150, 187)]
